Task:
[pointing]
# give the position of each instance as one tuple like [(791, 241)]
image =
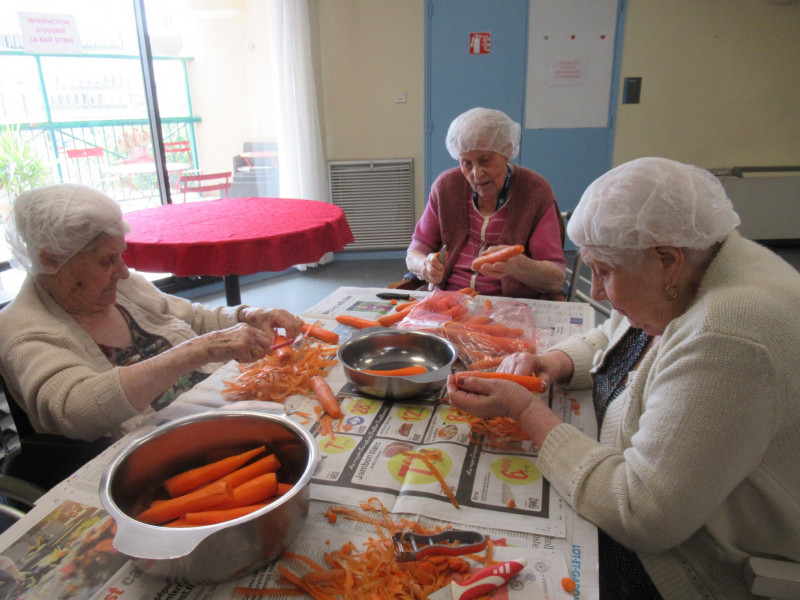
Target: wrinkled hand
[(487, 398), (432, 269), (503, 268), (550, 367), (269, 321), (242, 343)]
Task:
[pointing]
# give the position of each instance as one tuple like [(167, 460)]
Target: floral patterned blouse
[(146, 345)]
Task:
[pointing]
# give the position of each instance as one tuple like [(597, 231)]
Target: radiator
[(377, 197)]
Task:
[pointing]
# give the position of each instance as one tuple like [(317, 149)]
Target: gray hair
[(652, 202), (483, 129), (61, 220)]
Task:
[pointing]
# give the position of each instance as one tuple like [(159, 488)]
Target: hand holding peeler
[(410, 546)]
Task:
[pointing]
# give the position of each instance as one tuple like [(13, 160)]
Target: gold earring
[(671, 295)]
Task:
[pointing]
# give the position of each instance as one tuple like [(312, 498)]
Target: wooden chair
[(205, 182)]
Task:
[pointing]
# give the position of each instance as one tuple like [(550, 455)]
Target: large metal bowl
[(212, 553), (382, 349)]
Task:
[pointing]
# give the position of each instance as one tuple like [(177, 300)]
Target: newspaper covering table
[(49, 550)]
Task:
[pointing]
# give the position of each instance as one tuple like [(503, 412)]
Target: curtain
[(302, 165)]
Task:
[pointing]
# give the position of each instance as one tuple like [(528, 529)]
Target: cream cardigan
[(698, 464), (67, 384)]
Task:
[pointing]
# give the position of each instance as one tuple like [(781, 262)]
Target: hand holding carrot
[(269, 321), (498, 261)]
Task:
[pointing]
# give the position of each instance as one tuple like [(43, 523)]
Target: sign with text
[(47, 33)]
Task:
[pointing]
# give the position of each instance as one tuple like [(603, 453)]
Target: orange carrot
[(213, 516), (283, 488), (391, 318), (254, 491), (268, 464), (488, 344), (326, 397), (206, 497), (495, 329), (401, 372), (487, 362), (325, 335), (497, 256), (187, 481), (406, 305), (530, 382), (356, 322)]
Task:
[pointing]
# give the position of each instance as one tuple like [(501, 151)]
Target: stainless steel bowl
[(212, 553), (381, 349)]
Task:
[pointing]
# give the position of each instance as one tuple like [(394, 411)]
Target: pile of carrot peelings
[(374, 573), (285, 372)]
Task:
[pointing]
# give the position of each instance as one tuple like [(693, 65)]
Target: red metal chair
[(205, 182)]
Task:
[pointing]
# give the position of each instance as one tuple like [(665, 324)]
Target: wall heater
[(377, 197)]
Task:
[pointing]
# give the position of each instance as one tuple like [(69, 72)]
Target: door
[(457, 80)]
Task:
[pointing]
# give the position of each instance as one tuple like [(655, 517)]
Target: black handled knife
[(393, 296)]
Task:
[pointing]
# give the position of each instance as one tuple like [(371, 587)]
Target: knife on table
[(485, 580)]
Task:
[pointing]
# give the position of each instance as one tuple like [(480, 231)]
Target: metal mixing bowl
[(381, 349), (212, 553)]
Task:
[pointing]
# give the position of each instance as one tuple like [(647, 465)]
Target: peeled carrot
[(356, 322), (497, 256), (213, 516), (283, 488), (530, 382), (254, 491), (268, 464), (187, 481), (322, 334), (406, 305), (326, 397), (209, 496), (391, 318), (401, 372)]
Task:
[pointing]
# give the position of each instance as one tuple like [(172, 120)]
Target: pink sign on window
[(480, 43)]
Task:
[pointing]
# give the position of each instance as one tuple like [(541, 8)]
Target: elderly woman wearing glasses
[(695, 383), (90, 349), (486, 204)]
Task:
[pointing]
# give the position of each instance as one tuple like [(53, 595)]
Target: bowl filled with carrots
[(209, 497), (397, 364)]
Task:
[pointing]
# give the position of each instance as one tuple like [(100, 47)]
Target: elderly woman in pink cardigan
[(483, 205)]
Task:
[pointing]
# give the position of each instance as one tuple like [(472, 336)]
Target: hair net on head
[(653, 202), (483, 129), (61, 219)]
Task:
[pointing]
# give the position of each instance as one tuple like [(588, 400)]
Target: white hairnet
[(483, 129), (61, 219), (652, 202)]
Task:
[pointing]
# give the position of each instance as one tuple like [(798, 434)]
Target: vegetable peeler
[(410, 546)]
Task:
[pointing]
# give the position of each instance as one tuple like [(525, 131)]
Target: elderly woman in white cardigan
[(90, 348), (696, 380)]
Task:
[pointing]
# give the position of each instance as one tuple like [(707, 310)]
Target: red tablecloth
[(233, 236)]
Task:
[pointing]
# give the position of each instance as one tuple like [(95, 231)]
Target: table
[(40, 543), (230, 237)]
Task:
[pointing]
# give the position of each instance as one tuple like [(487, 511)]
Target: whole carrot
[(268, 464), (401, 372), (322, 334), (213, 516), (189, 480), (326, 397), (254, 491), (356, 322), (530, 382), (497, 256), (209, 496)]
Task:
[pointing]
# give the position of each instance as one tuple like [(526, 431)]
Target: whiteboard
[(570, 63)]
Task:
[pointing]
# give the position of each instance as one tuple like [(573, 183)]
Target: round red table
[(233, 236)]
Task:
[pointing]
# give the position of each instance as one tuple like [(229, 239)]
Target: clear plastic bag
[(484, 329)]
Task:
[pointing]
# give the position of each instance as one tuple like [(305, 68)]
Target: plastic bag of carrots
[(483, 329)]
